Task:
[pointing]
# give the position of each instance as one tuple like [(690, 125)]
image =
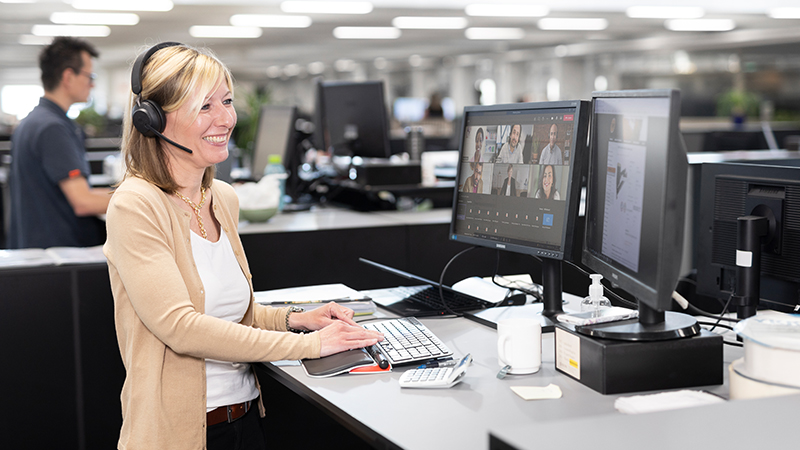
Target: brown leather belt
[(228, 413)]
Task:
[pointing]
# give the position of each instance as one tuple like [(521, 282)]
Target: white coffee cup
[(519, 345)]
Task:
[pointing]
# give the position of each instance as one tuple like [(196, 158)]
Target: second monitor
[(519, 183)]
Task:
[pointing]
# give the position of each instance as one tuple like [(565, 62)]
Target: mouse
[(513, 300)]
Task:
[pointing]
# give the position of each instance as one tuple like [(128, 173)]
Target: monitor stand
[(551, 291), (652, 325)]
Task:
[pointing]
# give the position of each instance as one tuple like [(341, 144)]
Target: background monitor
[(535, 209), (275, 135), (635, 207), (409, 109), (734, 193), (352, 119)]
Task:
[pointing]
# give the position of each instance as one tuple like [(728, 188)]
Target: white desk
[(375, 406), (745, 424)]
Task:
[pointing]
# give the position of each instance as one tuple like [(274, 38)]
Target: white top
[(227, 297), (507, 156), (551, 155)]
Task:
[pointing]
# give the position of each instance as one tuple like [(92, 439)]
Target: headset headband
[(138, 66)]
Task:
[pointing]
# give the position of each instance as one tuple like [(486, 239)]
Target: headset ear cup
[(147, 115)]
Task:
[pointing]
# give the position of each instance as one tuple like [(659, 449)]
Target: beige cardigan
[(162, 332)]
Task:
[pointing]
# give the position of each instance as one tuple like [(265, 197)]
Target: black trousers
[(246, 433)]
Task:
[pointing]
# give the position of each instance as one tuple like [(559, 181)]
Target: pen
[(337, 300), (377, 356), (446, 362)]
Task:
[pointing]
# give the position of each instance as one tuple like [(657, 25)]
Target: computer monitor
[(409, 109), (352, 119), (635, 208), (749, 229), (275, 135), (517, 190)]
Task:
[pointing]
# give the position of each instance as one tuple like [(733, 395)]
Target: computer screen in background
[(352, 119), (409, 109), (275, 135), (636, 206), (519, 191), (762, 199)]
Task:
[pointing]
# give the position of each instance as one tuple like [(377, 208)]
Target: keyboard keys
[(408, 340)]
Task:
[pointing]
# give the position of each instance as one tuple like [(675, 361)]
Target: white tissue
[(262, 195)]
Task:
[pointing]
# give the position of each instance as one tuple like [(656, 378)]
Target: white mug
[(519, 345)]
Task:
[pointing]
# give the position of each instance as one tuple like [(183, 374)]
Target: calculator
[(436, 377)]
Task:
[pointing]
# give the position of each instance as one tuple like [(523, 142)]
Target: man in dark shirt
[(52, 203)]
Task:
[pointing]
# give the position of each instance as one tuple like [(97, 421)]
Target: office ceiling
[(292, 50)]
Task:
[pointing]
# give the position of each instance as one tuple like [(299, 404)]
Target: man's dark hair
[(62, 54)]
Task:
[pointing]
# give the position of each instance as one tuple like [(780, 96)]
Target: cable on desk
[(724, 341), (699, 312), (441, 281), (512, 284), (724, 310), (709, 324)]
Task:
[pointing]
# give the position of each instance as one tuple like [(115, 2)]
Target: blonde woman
[(186, 321)]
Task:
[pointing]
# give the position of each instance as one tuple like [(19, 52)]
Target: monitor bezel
[(577, 166), (673, 210), (291, 112)]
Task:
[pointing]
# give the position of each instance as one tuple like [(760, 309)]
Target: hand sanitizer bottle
[(595, 300)]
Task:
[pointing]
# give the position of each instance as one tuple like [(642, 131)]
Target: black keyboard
[(455, 301)]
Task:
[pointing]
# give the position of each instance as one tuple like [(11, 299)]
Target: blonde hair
[(171, 77)]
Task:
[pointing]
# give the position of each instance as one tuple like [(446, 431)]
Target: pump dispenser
[(596, 300)]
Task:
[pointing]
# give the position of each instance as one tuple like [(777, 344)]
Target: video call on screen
[(514, 176)]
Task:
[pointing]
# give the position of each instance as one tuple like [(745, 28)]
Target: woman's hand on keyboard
[(321, 317), (340, 336)]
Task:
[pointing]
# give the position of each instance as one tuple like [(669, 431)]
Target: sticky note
[(550, 391)]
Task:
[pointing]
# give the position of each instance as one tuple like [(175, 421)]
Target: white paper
[(663, 401), (306, 293), (551, 391), (480, 288)]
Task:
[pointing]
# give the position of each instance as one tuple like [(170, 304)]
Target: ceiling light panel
[(492, 33), (208, 31), (506, 10), (270, 21), (784, 13), (700, 25), (71, 30), (430, 23), (665, 12), (311, 7), (83, 18), (572, 24)]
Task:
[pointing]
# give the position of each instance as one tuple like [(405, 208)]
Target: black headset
[(147, 115)]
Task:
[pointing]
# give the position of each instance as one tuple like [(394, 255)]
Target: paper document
[(310, 297), (664, 401), (550, 391), (306, 293)]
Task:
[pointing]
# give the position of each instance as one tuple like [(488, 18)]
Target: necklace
[(196, 208)]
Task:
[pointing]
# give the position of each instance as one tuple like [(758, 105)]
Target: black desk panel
[(40, 377)]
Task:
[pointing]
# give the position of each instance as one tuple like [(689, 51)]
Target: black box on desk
[(616, 367), (378, 172)]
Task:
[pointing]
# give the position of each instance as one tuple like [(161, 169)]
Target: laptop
[(421, 301)]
